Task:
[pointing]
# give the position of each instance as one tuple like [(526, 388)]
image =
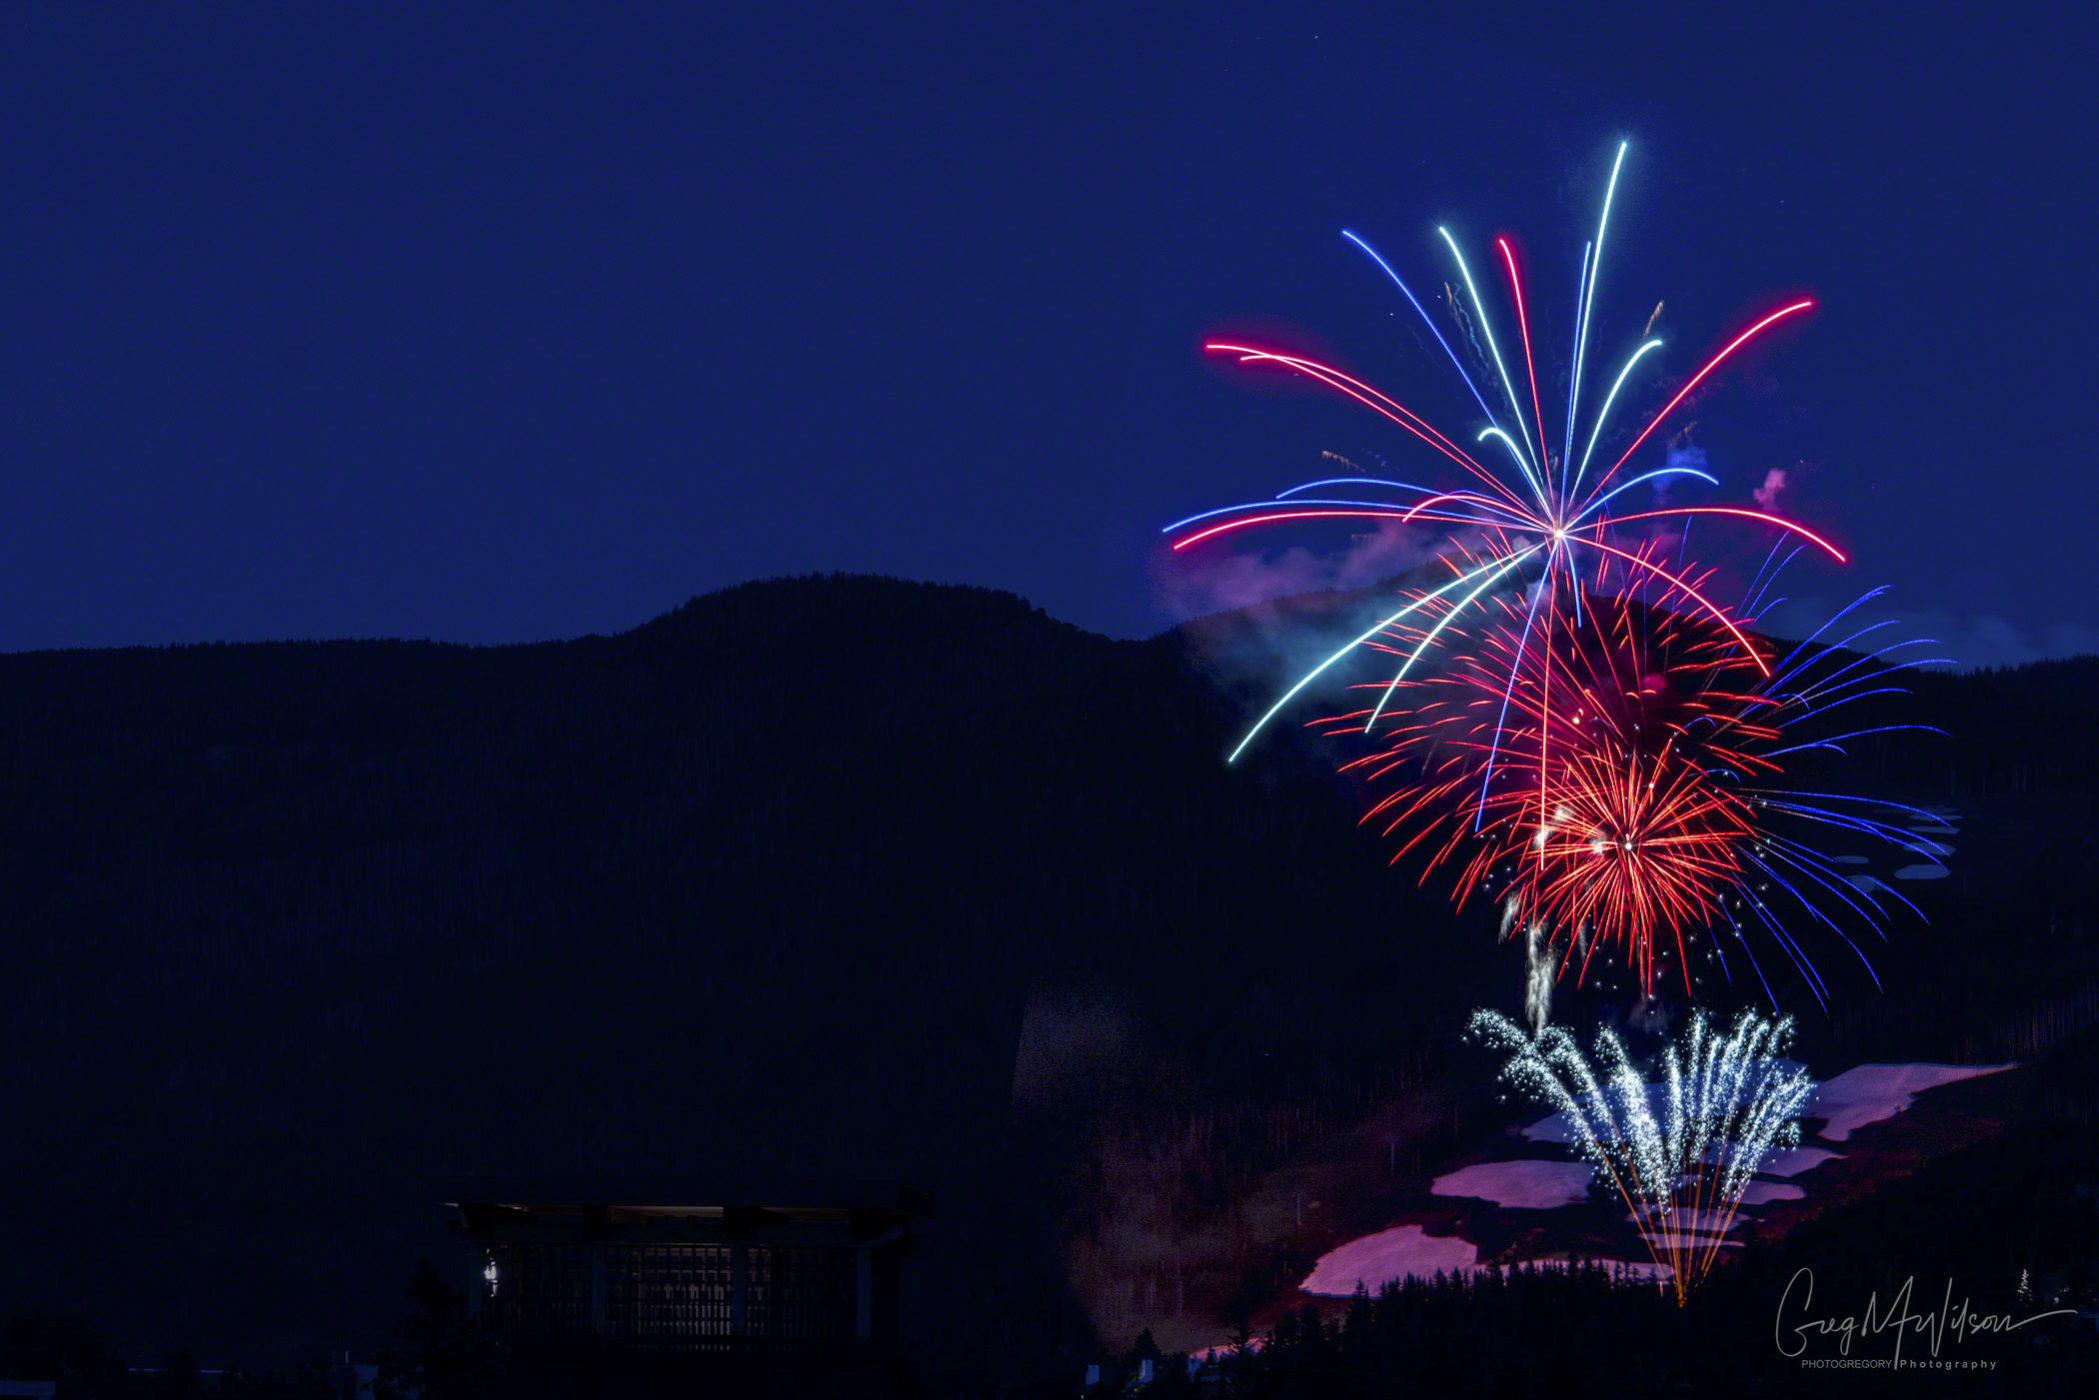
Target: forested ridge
[(768, 887)]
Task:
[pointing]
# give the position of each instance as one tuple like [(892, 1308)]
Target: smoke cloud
[(1213, 581), (1265, 621), (1767, 494)]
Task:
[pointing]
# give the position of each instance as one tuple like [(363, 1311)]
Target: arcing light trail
[(1492, 572), (1588, 303)]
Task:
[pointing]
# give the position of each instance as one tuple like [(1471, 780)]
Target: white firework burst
[(1681, 1150)]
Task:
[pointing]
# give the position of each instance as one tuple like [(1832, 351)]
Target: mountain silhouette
[(769, 889)]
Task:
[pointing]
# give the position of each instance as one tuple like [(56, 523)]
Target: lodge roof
[(605, 1202)]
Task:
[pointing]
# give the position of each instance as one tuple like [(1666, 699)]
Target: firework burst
[(1599, 740), (1539, 515), (1679, 1152), (1666, 810)]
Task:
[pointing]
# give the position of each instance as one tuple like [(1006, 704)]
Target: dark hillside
[(303, 931), (775, 887)]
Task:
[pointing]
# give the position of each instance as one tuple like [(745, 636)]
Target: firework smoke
[(1540, 967), (1766, 495)]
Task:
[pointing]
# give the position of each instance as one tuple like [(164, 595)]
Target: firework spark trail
[(1728, 1103), (1609, 399), (1523, 323), (1581, 333), (1380, 513), (1429, 638), (1581, 288), (1460, 364), (1501, 720), (1501, 565), (1381, 404), (1479, 311)]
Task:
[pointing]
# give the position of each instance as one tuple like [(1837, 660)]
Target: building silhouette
[(652, 1290)]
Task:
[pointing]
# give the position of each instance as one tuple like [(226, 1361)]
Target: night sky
[(341, 320)]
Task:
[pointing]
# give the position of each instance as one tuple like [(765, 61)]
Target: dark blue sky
[(359, 322)]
